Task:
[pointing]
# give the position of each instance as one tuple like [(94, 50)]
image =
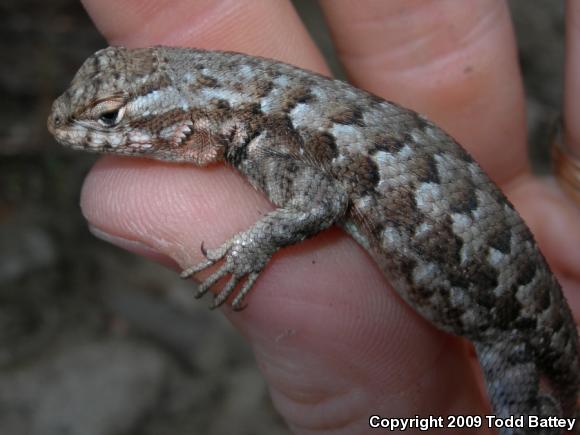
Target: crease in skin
[(327, 410), (426, 46)]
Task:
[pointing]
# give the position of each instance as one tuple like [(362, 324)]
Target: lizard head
[(121, 101), (94, 113)]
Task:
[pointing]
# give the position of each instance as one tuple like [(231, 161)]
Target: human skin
[(333, 340)]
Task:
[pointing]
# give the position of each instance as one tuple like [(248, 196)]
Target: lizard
[(326, 153)]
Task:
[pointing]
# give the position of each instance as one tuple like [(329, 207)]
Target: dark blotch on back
[(526, 272), (207, 81), (350, 116), (464, 200), (440, 244), (361, 172), (501, 239), (398, 207), (263, 88), (250, 109), (506, 310), (406, 267), (386, 144), (319, 146), (427, 171), (237, 155), (161, 81), (420, 121), (296, 96), (474, 272)]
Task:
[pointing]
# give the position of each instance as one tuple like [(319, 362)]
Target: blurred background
[(96, 341)]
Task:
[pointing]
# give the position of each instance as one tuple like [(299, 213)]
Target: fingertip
[(168, 207), (269, 29)]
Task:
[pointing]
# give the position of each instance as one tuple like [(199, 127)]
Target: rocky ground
[(94, 341)]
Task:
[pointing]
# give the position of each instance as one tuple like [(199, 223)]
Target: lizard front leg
[(312, 202)]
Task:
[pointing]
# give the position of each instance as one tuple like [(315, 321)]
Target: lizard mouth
[(65, 136)]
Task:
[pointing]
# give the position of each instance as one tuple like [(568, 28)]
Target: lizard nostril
[(54, 121)]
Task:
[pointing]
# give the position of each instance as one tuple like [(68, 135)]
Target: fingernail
[(130, 245)]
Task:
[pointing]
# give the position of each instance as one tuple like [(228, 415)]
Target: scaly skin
[(327, 153)]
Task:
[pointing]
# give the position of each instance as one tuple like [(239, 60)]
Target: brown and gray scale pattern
[(327, 153)]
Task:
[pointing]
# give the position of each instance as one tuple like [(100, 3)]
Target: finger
[(307, 328), (269, 29), (453, 61)]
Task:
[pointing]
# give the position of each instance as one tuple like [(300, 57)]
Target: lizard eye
[(108, 112), (109, 119)]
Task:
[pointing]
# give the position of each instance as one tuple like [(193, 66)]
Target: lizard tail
[(514, 380)]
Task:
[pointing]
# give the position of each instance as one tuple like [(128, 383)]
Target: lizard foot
[(242, 259)]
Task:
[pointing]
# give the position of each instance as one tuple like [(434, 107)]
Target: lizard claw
[(211, 257), (238, 300), (210, 280), (237, 303), (224, 293), (229, 267)]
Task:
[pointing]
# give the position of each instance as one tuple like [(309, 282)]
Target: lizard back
[(325, 152)]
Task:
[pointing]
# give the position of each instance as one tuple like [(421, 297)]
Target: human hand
[(335, 343)]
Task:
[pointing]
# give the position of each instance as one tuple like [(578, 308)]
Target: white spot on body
[(116, 140), (303, 114), (176, 133), (459, 298), (232, 97), (431, 201), (139, 137), (254, 145), (363, 203), (97, 140), (281, 81), (529, 292), (271, 104), (426, 273), (246, 71), (307, 115), (422, 229), (167, 132), (393, 168), (462, 226), (348, 136), (147, 100), (158, 101), (497, 259), (202, 124), (391, 237), (389, 159)]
